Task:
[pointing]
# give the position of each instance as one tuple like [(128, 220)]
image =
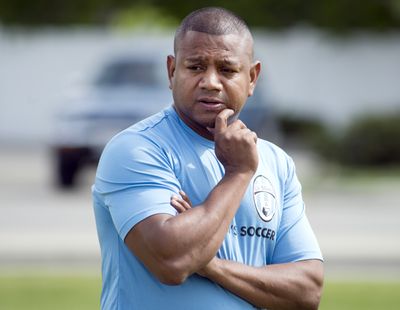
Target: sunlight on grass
[(360, 295), (76, 292), (49, 292)]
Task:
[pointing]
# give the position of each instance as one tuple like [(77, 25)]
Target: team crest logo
[(264, 198)]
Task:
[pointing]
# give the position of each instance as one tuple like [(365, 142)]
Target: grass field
[(49, 292), (82, 292)]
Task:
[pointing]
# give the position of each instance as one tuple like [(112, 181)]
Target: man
[(243, 242)]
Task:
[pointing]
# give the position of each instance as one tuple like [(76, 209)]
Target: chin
[(208, 123)]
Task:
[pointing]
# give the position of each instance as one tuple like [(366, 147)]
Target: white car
[(126, 90)]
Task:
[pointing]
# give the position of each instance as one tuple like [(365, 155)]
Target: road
[(357, 225)]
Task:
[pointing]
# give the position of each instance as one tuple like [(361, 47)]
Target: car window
[(128, 73)]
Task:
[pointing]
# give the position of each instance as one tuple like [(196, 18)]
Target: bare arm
[(296, 285), (172, 248)]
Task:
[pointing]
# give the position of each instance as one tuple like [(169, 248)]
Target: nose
[(210, 80)]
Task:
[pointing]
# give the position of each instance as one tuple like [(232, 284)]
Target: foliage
[(143, 16), (368, 141), (372, 140), (306, 133), (335, 15)]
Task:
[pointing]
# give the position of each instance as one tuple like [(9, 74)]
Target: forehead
[(202, 45)]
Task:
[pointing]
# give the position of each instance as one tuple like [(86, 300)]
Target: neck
[(200, 130)]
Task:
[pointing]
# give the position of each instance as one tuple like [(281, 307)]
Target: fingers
[(181, 204), (185, 197), (253, 136), (236, 147), (226, 119), (238, 124), (246, 132), (221, 122)]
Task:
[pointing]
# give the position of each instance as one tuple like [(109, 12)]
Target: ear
[(171, 69), (254, 74)]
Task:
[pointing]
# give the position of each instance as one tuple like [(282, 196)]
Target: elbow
[(172, 273), (312, 300), (172, 281), (309, 301), (316, 298), (314, 288), (172, 278)]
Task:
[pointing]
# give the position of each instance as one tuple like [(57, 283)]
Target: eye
[(228, 70), (195, 68)]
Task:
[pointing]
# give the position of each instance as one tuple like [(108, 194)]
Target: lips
[(210, 103)]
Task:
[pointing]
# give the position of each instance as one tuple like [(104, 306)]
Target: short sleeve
[(136, 180), (295, 238)]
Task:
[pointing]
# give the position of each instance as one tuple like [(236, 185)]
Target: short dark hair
[(211, 20)]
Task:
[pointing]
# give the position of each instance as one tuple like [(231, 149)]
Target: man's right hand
[(235, 144), (174, 247)]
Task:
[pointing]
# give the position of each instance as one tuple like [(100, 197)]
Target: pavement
[(357, 223)]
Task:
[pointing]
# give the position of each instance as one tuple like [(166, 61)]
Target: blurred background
[(73, 73)]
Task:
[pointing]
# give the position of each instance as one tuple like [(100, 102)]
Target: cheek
[(238, 93), (181, 92), (186, 86)]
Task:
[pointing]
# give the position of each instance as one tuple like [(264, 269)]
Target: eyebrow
[(195, 59), (230, 62), (226, 61)]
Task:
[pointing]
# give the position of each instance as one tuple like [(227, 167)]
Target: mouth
[(212, 104)]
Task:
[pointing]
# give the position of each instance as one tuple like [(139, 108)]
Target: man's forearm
[(206, 225), (175, 247), (178, 246), (282, 286)]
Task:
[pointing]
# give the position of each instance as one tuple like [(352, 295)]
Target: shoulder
[(146, 134), (274, 156), (270, 147), (140, 143)]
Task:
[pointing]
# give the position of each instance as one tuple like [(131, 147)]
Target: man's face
[(211, 73)]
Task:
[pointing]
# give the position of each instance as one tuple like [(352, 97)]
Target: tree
[(333, 15)]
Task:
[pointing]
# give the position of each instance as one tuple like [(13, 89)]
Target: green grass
[(49, 292), (82, 292), (361, 295)]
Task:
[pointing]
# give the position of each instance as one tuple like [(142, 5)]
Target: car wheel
[(68, 165)]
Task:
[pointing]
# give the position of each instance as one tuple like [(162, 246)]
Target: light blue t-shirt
[(143, 166)]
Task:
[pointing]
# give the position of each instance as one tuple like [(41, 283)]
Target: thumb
[(221, 122)]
